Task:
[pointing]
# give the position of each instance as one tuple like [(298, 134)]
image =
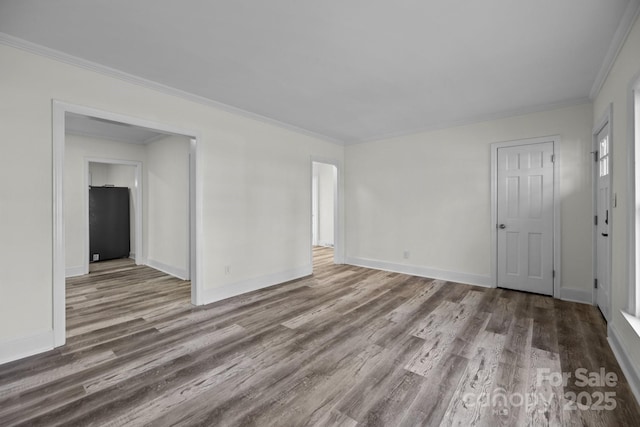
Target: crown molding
[(37, 49), (57, 55), (626, 23), (477, 119)]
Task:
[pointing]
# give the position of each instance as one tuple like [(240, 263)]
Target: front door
[(525, 217), (603, 217)]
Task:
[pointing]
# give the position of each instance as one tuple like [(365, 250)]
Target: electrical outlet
[(227, 270), (406, 254), (96, 257)]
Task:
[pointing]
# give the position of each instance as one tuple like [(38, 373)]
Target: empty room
[(320, 213)]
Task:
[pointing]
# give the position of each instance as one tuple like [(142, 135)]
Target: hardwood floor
[(347, 346)]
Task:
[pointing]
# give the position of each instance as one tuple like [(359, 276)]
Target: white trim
[(633, 222), (557, 218), (37, 49), (605, 119), (195, 222), (138, 244), (338, 209), (180, 273), (249, 285), (633, 321), (57, 55), (59, 306), (621, 353), (576, 295), (315, 189), (79, 270), (59, 109), (619, 37), (555, 139), (428, 272), (19, 348)]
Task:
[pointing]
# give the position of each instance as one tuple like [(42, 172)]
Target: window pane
[(604, 147), (604, 166)]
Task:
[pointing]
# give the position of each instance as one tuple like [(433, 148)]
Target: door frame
[(605, 119), (555, 140), (138, 245), (633, 188), (314, 210), (59, 110), (338, 210)]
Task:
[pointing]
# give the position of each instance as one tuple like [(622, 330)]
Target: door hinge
[(553, 274), (595, 156), (553, 158), (595, 220), (595, 283)]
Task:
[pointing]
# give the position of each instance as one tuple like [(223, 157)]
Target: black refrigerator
[(109, 236)]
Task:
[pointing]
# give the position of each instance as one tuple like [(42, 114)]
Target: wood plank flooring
[(347, 346)]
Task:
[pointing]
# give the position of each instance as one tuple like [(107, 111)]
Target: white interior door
[(603, 214), (525, 217)]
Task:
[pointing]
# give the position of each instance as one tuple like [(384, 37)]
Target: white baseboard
[(432, 273), (244, 286), (74, 271), (19, 348), (576, 295), (180, 273), (622, 355)]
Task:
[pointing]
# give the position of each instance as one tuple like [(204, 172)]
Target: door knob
[(502, 226)]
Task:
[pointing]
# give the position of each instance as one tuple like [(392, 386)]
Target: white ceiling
[(77, 124), (349, 70)]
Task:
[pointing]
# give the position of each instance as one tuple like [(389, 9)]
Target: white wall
[(616, 91), (166, 201), (426, 193), (429, 194), (253, 175), (77, 150), (98, 174), (326, 180)]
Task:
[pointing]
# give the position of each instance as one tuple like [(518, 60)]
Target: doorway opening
[(525, 236), (113, 211), (149, 150), (324, 213), (603, 166)]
